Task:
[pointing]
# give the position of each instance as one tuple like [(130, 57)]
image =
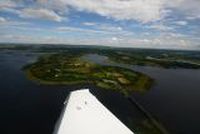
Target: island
[(168, 59), (156, 58), (71, 69)]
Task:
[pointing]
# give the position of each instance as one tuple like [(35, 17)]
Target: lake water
[(174, 100), (26, 108), (29, 108)]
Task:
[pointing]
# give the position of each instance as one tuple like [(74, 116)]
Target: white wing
[(84, 114)]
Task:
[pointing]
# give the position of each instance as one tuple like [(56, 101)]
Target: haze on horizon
[(125, 23)]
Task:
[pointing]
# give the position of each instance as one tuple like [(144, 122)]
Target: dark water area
[(26, 108), (174, 100), (29, 108)]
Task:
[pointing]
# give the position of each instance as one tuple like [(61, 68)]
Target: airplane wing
[(84, 114)]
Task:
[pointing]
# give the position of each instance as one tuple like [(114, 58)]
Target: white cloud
[(164, 41), (189, 8), (41, 14), (144, 11), (81, 30), (5, 23), (160, 27), (10, 10), (151, 13), (114, 39), (140, 10), (7, 4), (181, 23), (2, 20), (103, 29), (89, 23), (103, 26), (42, 1), (107, 27)]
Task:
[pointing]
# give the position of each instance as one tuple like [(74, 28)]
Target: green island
[(130, 56), (70, 69), (156, 58)]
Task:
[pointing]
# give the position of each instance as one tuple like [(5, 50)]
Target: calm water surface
[(29, 108), (174, 100)]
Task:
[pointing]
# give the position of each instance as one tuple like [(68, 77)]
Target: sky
[(165, 24)]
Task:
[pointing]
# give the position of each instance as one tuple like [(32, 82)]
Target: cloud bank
[(133, 23)]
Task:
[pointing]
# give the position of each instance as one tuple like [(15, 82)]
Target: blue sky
[(121, 23)]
